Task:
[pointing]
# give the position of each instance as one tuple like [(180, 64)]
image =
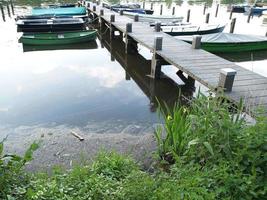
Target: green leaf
[(209, 147)]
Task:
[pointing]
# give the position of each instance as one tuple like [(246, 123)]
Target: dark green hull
[(234, 47), (63, 38)]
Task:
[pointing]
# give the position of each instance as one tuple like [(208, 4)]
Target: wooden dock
[(197, 64)]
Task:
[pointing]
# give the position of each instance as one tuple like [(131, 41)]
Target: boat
[(129, 7), (229, 42), (188, 29), (155, 18), (264, 21), (59, 38), (69, 11), (255, 10), (50, 25), (240, 8)]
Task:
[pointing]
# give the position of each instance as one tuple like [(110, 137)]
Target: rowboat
[(261, 3), (50, 25), (128, 7), (229, 42), (188, 29), (69, 11), (240, 8), (60, 38), (155, 18), (255, 10)]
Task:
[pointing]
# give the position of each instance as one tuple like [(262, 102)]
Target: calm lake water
[(86, 86)]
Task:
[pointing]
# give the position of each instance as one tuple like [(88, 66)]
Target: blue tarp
[(59, 11)]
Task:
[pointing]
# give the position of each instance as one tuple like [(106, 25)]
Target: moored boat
[(50, 25), (188, 29), (237, 8), (129, 7), (229, 42), (60, 38), (69, 11), (155, 18), (255, 10)]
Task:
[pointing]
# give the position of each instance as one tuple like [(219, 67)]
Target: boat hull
[(58, 38), (234, 47), (199, 32)]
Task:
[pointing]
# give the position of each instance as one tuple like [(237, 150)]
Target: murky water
[(88, 87)]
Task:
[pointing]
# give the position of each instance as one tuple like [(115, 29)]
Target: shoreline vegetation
[(205, 151)]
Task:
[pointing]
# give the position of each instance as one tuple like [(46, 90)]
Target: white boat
[(155, 18)]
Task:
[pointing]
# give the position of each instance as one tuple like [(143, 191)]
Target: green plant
[(13, 180)]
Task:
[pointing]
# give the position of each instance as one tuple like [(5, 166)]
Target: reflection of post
[(112, 58), (152, 97)]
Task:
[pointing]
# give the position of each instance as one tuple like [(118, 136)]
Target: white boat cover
[(226, 38)]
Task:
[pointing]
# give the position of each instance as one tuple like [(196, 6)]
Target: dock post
[(97, 3), (226, 80), (207, 18), (217, 9), (161, 7), (144, 4), (151, 6), (88, 5), (188, 15), (8, 9), (112, 18), (101, 12), (231, 13), (204, 9), (136, 18), (12, 7), (156, 60), (232, 25), (173, 10), (250, 14), (3, 13), (196, 43), (130, 44), (94, 8), (157, 27), (121, 12), (129, 28)]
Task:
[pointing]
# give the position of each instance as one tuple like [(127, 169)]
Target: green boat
[(60, 38), (71, 11), (229, 42)]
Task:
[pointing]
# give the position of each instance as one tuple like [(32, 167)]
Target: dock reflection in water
[(89, 45), (138, 68)]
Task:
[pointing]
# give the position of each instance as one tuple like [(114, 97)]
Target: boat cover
[(226, 38), (59, 11)]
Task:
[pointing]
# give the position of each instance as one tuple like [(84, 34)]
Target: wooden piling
[(136, 18), (8, 9), (144, 4), (231, 12), (112, 18), (173, 10), (2, 12), (217, 9), (250, 14), (226, 79), (88, 5), (151, 6), (158, 43), (101, 12), (232, 25), (157, 27), (12, 7), (207, 18), (121, 12), (188, 15), (161, 8), (196, 43), (94, 8), (128, 27), (204, 9)]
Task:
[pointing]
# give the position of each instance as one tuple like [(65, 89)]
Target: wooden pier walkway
[(198, 64)]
